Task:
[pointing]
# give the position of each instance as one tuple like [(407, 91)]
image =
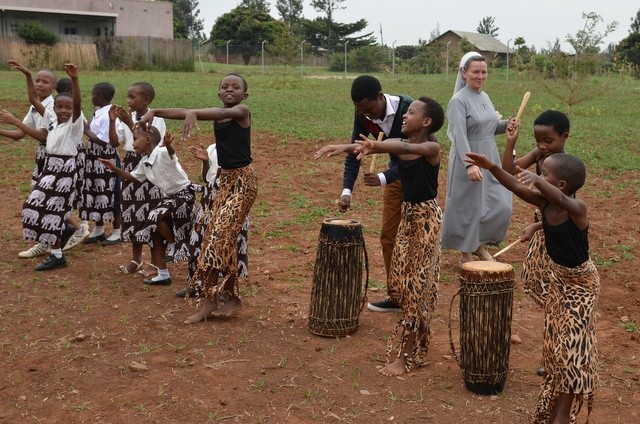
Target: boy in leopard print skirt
[(415, 262), (569, 344)]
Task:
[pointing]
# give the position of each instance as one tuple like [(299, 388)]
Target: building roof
[(58, 11), (484, 42)]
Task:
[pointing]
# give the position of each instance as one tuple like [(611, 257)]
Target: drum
[(339, 280), (486, 298)]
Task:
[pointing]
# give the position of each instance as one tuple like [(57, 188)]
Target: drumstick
[(506, 248), (372, 167), (525, 99)]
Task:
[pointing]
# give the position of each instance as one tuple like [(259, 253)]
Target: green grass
[(604, 131)]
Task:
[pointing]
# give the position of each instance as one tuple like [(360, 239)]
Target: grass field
[(317, 106)]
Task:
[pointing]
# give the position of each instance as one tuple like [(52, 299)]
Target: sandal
[(150, 271), (127, 269)]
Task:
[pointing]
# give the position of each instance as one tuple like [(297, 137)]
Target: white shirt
[(213, 163), (33, 118), (163, 171), (386, 123), (100, 123), (125, 136), (63, 139)]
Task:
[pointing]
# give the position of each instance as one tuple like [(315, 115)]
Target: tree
[(185, 19), (290, 11), (486, 26), (258, 5), (248, 28), (316, 33), (627, 52), (635, 23), (286, 48), (328, 7), (588, 40)]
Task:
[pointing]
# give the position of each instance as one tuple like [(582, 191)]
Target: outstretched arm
[(334, 150), (509, 181), (39, 134), (428, 149), (575, 208), (72, 71), (31, 90), (121, 172)]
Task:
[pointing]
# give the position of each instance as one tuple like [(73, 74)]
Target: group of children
[(158, 199), (148, 198), (558, 271)]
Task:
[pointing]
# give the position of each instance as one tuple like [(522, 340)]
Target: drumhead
[(341, 222), (487, 266)]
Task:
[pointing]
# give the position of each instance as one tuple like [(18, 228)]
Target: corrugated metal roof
[(484, 42), (58, 11)]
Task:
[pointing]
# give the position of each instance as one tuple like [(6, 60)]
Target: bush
[(33, 32)]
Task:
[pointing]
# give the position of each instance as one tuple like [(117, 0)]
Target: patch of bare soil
[(88, 344)]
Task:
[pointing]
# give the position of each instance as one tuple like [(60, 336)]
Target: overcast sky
[(406, 21)]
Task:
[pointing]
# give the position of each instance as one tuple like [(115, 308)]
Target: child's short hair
[(64, 85), (146, 88), (365, 87), (244, 81), (433, 110), (105, 89), (66, 94), (556, 119), (154, 134), (570, 169)]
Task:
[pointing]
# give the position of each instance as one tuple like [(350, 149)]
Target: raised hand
[(71, 69), (190, 122), (331, 150), (15, 65), (107, 163), (168, 139), (199, 152), (7, 117)]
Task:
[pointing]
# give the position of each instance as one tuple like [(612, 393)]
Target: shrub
[(33, 32)]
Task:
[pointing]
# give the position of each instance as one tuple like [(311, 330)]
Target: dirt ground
[(87, 344)]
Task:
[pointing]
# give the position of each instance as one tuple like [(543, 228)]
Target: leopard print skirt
[(413, 282), (536, 266), (237, 190), (569, 348)]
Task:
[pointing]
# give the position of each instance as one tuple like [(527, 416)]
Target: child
[(237, 190), (65, 85), (202, 214), (377, 113), (551, 131), (101, 187), (569, 345), (41, 99), (138, 198), (49, 203), (415, 269), (170, 221)]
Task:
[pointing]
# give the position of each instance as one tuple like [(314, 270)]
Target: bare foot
[(395, 368), (483, 254), (207, 307), (465, 257), (230, 307)]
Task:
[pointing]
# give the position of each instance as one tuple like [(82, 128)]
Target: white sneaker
[(78, 237), (37, 250)]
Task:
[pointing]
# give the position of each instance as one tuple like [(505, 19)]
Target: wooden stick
[(372, 166), (506, 248), (525, 99)]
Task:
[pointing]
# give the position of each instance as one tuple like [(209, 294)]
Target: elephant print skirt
[(49, 203), (138, 199)]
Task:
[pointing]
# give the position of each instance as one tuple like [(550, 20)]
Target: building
[(489, 47), (91, 18)]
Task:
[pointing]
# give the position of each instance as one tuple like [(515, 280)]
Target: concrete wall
[(138, 18)]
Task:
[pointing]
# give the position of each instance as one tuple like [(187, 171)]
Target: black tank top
[(566, 244), (233, 144), (419, 180)]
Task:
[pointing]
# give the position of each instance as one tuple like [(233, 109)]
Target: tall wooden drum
[(339, 281), (486, 298)]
